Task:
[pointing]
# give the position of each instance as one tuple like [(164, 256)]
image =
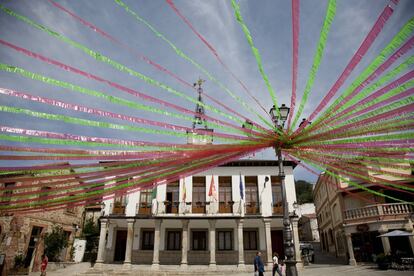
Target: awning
[(396, 233)]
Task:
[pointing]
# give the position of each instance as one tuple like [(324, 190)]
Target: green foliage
[(55, 241), (19, 261), (91, 234), (303, 191)]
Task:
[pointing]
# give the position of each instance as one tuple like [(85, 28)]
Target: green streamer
[(388, 137), (256, 53), (53, 141), (99, 57), (109, 98), (395, 43), (114, 188), (317, 59), (355, 184), (181, 54), (91, 123)]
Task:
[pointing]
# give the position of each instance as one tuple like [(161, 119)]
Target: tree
[(303, 191), (91, 234), (55, 241)]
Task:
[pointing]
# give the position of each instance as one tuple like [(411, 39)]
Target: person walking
[(258, 264), (276, 267), (43, 266)]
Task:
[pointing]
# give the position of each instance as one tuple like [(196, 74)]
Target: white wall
[(265, 193)]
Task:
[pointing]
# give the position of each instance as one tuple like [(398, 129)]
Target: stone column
[(352, 260), (156, 254), (101, 248), (240, 242), (184, 243), (130, 240), (268, 242), (295, 220), (212, 231), (385, 241)]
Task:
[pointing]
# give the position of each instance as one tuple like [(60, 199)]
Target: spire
[(198, 117), (200, 134)]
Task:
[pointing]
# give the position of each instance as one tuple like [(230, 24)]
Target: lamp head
[(284, 112)]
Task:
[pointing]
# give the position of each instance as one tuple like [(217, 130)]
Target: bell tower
[(199, 122)]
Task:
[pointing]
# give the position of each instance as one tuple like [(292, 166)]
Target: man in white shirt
[(276, 265)]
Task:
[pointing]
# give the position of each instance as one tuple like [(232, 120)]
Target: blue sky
[(269, 22)]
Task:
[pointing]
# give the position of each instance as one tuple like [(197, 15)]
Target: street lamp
[(287, 230)]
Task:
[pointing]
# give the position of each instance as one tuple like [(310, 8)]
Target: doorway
[(120, 245), (34, 238), (277, 243)]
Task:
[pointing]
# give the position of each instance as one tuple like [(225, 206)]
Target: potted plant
[(231, 202), (19, 264), (383, 261)]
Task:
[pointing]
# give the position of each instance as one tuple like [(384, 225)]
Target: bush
[(19, 261), (55, 241), (91, 233)]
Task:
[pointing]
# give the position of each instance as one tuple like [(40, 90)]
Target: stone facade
[(23, 234)]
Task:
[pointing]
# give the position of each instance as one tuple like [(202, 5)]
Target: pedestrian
[(282, 267), (276, 265), (258, 264), (43, 266)]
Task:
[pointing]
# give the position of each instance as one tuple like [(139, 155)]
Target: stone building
[(201, 219), (22, 234), (308, 224), (349, 226)]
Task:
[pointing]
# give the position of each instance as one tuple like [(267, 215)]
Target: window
[(44, 193), (70, 208), (172, 200), (173, 240), (199, 240), (225, 240), (225, 195), (250, 239), (147, 240), (277, 195), (199, 194), (145, 198), (251, 195)]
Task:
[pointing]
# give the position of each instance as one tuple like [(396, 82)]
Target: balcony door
[(172, 198), (199, 194), (145, 200), (225, 195), (277, 203), (252, 195)]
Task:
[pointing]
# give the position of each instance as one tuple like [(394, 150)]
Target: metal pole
[(287, 230)]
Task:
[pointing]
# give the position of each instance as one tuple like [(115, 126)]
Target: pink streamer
[(295, 49), (366, 44), (140, 56), (108, 114), (126, 47), (118, 86), (214, 51)]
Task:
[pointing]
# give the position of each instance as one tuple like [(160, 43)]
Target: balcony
[(252, 208), (226, 207), (199, 207), (378, 212), (277, 208), (117, 208), (143, 208), (171, 207)]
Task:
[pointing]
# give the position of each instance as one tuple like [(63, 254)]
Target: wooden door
[(120, 245), (277, 243)]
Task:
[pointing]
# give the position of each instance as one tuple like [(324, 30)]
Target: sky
[(269, 22)]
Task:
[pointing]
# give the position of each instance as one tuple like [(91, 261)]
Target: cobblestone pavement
[(311, 270)]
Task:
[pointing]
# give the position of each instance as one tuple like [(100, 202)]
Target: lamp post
[(287, 230)]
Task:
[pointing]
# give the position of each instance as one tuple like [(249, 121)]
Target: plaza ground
[(311, 270)]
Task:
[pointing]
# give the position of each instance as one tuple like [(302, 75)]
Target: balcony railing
[(277, 208), (199, 207), (143, 208), (252, 208), (117, 209), (379, 210), (226, 207)]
